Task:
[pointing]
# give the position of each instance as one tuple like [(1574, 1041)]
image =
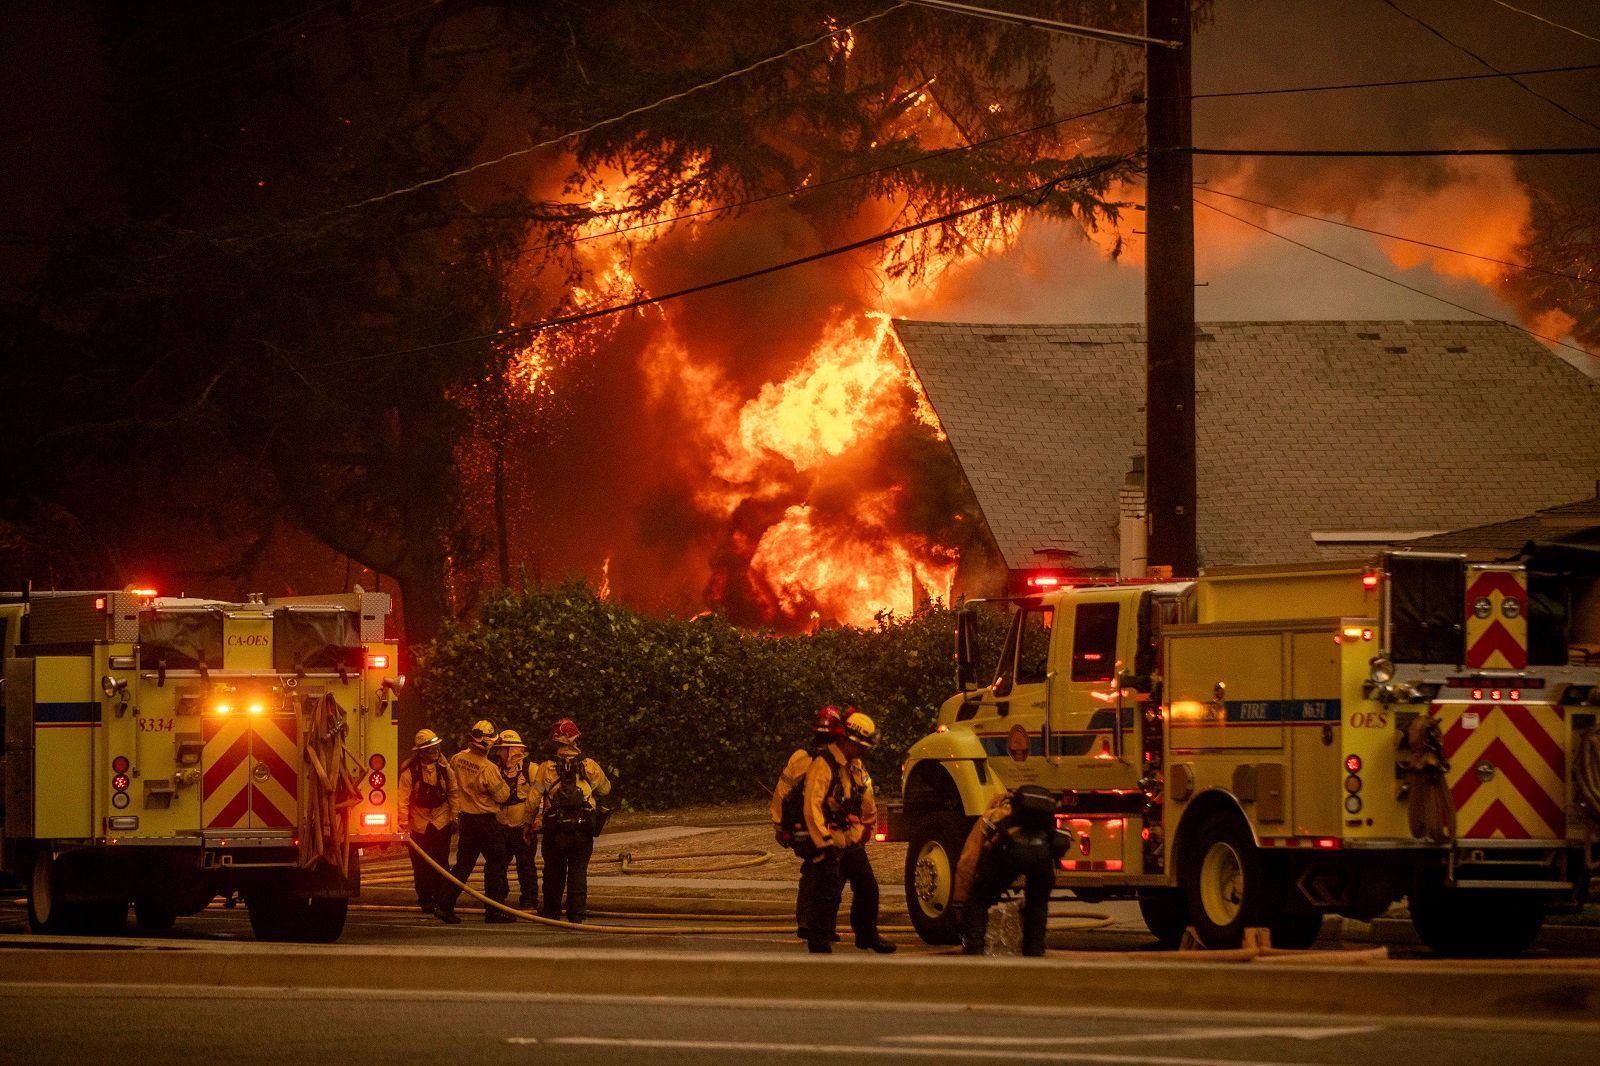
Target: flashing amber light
[(148, 594), (381, 818), (1356, 633), (119, 764), (377, 662), (880, 835), (1369, 580), (256, 708), (223, 708), (1352, 763)]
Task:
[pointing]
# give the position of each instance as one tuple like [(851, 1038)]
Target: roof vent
[(1367, 336), (996, 338)]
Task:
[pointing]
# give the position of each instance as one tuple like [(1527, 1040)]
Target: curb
[(1531, 992)]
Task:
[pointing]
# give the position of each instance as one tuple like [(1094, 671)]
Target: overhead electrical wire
[(1392, 281), (602, 123), (1408, 240), (1386, 153), (1038, 192), (1464, 50), (1547, 22), (1398, 82)]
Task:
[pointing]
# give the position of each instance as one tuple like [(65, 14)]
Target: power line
[(1408, 240), (601, 124), (1392, 281), (1037, 192), (1388, 153), (1399, 82), (1547, 22), (1464, 50)]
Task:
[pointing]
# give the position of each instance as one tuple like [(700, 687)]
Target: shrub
[(682, 712)]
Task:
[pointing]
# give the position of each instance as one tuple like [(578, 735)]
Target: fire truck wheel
[(1165, 914), (931, 853), (1476, 922), (1225, 882), (276, 917)]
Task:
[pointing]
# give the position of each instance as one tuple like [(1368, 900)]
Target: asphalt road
[(275, 1026)]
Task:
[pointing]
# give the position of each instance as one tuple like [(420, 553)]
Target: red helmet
[(829, 723), (564, 732)]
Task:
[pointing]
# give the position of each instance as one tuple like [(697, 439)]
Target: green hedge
[(682, 712)]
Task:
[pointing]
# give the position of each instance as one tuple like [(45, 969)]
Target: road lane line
[(1127, 1038), (754, 1047)]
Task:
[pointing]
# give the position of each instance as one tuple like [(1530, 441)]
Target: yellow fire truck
[(163, 751), (1264, 746)]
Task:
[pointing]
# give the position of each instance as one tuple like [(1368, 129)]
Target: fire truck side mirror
[(966, 643)]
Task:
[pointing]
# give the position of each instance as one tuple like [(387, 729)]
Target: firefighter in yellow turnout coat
[(565, 788), (840, 813), (788, 810), (1016, 837), (428, 802), (482, 790), (516, 816)]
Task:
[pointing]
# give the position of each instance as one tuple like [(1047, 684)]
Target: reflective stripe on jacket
[(824, 825)]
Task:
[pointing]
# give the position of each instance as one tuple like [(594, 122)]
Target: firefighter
[(515, 816), (1016, 837), (564, 788), (481, 790), (788, 810), (428, 802), (840, 813)]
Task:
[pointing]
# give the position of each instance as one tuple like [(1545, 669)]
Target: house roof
[(1578, 521), (1404, 427)]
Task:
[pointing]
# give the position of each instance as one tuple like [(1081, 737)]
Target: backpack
[(793, 819), (569, 813)]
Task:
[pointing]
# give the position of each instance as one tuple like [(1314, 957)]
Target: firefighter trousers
[(434, 840), (831, 874), (566, 870), (481, 836), (520, 852), (998, 871)]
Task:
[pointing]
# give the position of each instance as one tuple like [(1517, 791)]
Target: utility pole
[(1169, 423)]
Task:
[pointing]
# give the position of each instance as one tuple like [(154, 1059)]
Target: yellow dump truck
[(160, 752), (1264, 746)]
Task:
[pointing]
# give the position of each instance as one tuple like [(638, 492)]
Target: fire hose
[(1430, 808), (333, 789), (1095, 921)]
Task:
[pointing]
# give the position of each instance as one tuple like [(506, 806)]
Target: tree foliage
[(684, 712), (284, 291)]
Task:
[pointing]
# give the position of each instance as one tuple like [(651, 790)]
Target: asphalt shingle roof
[(1302, 427)]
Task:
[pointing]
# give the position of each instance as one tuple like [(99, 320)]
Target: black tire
[(274, 917), (1475, 923), (932, 851), (46, 911), (1225, 882), (1296, 931), (1166, 915)]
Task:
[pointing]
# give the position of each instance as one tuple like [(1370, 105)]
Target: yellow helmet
[(426, 738), (859, 728), (482, 732), (509, 738)]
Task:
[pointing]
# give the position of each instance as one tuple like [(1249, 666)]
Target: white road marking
[(813, 1050), (1128, 1038)]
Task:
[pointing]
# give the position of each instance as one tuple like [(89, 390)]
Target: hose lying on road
[(1093, 921)]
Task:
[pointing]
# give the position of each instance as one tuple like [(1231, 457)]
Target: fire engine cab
[(163, 751), (1264, 746)]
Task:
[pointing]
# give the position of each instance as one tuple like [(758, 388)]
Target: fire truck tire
[(275, 917), (1165, 914), (1225, 882), (931, 854), (1476, 923)]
